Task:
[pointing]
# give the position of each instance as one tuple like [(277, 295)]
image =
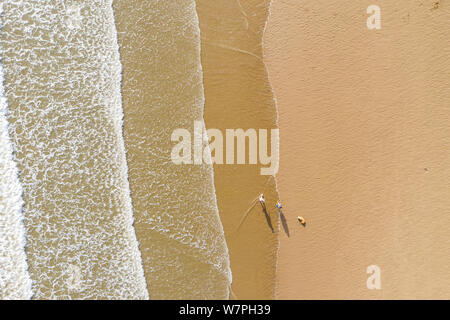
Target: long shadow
[(284, 222), (269, 221)]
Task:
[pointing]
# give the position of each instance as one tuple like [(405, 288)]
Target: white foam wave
[(15, 282), (63, 75)]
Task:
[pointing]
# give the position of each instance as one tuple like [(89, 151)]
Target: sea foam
[(63, 74), (15, 282)]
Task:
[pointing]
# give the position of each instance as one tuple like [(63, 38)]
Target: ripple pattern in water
[(177, 223), (15, 282), (62, 73)]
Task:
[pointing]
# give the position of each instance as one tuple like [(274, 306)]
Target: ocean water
[(177, 223), (15, 282), (82, 161), (62, 84)]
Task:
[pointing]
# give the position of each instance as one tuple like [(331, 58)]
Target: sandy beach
[(364, 147), (328, 122), (238, 95)]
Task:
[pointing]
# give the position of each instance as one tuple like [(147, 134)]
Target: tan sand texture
[(176, 218), (365, 140), (238, 95)]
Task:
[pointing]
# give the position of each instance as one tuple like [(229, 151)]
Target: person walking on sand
[(279, 206), (261, 199)]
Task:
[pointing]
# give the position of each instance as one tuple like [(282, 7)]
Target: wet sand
[(238, 95), (176, 218), (364, 126)]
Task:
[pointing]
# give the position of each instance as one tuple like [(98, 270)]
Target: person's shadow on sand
[(269, 221), (284, 222), (266, 214)]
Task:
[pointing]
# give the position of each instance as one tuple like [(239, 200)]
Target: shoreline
[(237, 95)]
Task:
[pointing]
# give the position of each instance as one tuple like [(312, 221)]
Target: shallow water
[(177, 223)]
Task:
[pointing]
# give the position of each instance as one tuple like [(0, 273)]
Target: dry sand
[(365, 138)]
